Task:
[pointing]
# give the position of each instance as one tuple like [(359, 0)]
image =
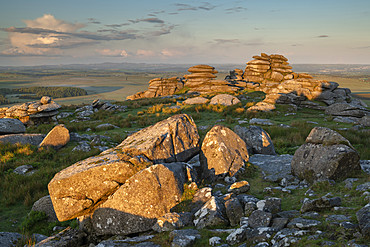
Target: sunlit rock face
[(223, 152), (143, 198), (160, 87), (134, 182), (203, 80)]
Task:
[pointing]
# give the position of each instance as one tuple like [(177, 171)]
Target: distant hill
[(340, 69)]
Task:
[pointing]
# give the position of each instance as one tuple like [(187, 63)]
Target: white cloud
[(171, 53), (48, 21), (145, 53), (113, 53), (42, 43)]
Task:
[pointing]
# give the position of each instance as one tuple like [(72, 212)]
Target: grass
[(18, 192)]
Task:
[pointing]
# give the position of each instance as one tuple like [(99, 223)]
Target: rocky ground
[(190, 169)]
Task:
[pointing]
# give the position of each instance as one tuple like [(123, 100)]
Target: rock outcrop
[(347, 110), (325, 155), (32, 112), (273, 75), (202, 80), (160, 87), (105, 187)]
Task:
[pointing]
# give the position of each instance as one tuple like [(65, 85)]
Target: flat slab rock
[(11, 126), (275, 167), (33, 139)]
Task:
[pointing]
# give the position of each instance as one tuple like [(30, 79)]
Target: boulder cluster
[(32, 112), (134, 187), (202, 79), (271, 74), (13, 131)]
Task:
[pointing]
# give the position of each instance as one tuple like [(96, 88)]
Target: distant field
[(105, 85)]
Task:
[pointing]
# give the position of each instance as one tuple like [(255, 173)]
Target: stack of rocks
[(160, 87), (273, 75), (266, 69), (202, 80), (32, 112)]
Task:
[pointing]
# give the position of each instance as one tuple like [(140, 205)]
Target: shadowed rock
[(257, 140), (325, 155), (11, 126), (45, 205), (33, 139)]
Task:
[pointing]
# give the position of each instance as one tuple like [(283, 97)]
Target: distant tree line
[(38, 92)]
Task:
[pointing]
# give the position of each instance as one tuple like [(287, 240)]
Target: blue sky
[(170, 31)]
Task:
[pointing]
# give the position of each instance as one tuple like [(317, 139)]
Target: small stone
[(244, 222), (279, 223), (23, 170), (259, 218), (237, 236), (302, 223), (45, 100), (234, 211), (239, 187), (249, 207), (363, 187), (184, 238), (214, 241)]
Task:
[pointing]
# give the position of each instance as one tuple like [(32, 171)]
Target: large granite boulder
[(11, 126), (173, 139), (32, 139), (76, 190), (79, 189), (224, 99), (143, 198), (223, 152), (325, 155), (57, 137), (257, 140)]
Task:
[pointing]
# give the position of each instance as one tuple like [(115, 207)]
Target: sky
[(45, 32)]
